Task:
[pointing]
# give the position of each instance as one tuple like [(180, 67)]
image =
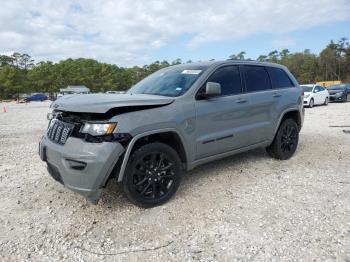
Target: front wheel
[(153, 175), (286, 140), (311, 104), (326, 101)]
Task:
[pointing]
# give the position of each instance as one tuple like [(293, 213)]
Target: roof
[(229, 61)]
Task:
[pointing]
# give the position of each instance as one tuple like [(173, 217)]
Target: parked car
[(339, 93), (315, 95), (36, 97), (173, 120)]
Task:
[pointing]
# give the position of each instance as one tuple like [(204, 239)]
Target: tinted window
[(318, 88), (229, 79), (279, 78), (307, 88), (256, 78)]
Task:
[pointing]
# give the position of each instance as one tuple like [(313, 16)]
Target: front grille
[(59, 131)]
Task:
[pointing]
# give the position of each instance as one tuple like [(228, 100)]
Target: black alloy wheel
[(286, 140), (153, 175), (289, 138)]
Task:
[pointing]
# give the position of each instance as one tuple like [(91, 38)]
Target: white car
[(315, 95)]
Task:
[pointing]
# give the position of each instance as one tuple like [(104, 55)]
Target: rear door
[(284, 94), (263, 103), (221, 121)]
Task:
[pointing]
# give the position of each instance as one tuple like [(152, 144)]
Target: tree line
[(20, 74)]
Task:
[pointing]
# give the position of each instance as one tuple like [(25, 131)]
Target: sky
[(138, 32)]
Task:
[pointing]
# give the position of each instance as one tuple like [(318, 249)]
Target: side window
[(229, 79), (256, 78), (279, 78)]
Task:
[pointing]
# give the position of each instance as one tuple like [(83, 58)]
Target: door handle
[(276, 95), (241, 100)]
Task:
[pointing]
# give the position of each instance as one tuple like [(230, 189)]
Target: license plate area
[(58, 131)]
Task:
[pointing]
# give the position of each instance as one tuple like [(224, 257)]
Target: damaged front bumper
[(81, 166)]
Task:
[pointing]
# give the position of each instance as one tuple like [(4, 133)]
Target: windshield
[(307, 88), (337, 87), (172, 81)]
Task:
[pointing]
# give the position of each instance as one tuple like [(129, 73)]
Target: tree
[(19, 74), (239, 56)]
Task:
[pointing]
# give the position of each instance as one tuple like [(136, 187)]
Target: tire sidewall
[(312, 103), (128, 176)]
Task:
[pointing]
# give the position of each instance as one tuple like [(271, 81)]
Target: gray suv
[(172, 121)]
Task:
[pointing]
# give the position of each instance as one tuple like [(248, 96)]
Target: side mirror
[(315, 91), (212, 89)]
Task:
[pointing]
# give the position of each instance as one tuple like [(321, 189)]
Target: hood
[(101, 103), (333, 92)]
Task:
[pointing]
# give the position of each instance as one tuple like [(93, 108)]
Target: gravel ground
[(245, 207)]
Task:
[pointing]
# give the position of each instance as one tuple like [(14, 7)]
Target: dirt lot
[(245, 207)]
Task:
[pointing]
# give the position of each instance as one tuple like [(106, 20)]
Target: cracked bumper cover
[(81, 166)]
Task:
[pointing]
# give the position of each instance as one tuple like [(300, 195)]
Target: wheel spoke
[(154, 190), (161, 159), (145, 189), (168, 175), (142, 181), (162, 186), (167, 167)]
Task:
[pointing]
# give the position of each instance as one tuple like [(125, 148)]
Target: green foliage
[(19, 73)]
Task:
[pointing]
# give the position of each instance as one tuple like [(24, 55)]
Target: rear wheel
[(311, 104), (153, 175), (286, 140)]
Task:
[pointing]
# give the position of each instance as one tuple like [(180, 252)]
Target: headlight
[(98, 129), (339, 94), (306, 96)]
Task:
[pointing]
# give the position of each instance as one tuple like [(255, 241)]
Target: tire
[(152, 175), (326, 101), (346, 98), (312, 103), (286, 140)]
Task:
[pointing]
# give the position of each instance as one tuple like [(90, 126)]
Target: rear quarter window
[(279, 78)]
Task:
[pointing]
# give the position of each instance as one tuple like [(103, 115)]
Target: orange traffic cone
[(4, 110)]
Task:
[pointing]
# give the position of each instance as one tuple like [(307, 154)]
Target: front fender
[(139, 136)]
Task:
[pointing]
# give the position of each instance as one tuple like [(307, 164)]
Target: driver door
[(221, 120)]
